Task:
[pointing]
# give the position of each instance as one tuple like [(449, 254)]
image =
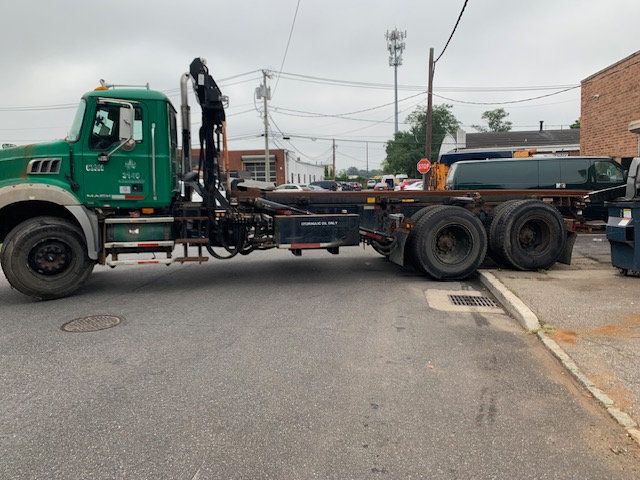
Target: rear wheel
[(528, 235), (450, 243), (409, 246), (46, 258), (494, 250)]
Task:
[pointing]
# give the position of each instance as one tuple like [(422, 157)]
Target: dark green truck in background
[(573, 173), (568, 173)]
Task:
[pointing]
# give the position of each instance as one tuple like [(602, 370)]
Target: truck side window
[(106, 123), (575, 172), (137, 125), (607, 172)]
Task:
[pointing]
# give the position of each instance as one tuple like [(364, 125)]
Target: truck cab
[(142, 171)]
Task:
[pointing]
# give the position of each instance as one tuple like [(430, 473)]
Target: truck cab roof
[(128, 94)]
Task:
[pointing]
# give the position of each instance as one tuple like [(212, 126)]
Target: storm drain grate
[(92, 323), (472, 301)]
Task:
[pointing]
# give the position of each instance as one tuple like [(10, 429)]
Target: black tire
[(528, 235), (450, 243), (494, 249), (46, 258), (409, 245)]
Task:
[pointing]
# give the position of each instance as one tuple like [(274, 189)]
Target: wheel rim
[(533, 236), (452, 244), (50, 257)]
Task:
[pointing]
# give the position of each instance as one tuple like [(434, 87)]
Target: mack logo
[(93, 167)]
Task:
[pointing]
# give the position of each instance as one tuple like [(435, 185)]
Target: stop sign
[(424, 166)]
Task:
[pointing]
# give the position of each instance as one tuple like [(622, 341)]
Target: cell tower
[(395, 45)]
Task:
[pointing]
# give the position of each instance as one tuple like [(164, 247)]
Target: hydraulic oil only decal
[(319, 223)]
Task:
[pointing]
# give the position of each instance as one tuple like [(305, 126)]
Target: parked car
[(328, 185), (371, 183), (381, 186), (390, 180), (316, 188), (292, 186), (405, 183), (408, 181), (356, 186), (346, 186), (570, 173), (416, 185)]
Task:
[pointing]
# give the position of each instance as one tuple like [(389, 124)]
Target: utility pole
[(367, 156), (395, 45), (333, 149), (429, 125), (263, 92)]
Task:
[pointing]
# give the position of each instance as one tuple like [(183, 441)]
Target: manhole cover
[(92, 323), (472, 301)]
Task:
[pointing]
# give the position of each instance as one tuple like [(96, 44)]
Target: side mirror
[(126, 123)]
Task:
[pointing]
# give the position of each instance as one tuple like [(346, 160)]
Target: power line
[(37, 108), (509, 101), (220, 81), (299, 115), (286, 50), (341, 115), (68, 106), (283, 136), (452, 31), (376, 85)]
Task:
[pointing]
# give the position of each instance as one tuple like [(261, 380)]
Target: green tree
[(342, 176), (575, 124), (496, 121), (407, 147)]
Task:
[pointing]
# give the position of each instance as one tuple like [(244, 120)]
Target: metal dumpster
[(623, 233), (623, 226)]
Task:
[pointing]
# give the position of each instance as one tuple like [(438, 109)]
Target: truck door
[(574, 173), (549, 176), (117, 177), (607, 174)]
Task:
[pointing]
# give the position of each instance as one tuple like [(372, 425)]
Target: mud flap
[(567, 252), (397, 254)]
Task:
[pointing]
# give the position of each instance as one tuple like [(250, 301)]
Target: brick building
[(285, 167), (610, 100)]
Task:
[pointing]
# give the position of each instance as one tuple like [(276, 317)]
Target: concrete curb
[(529, 321), (512, 304)]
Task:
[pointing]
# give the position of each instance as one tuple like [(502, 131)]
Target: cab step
[(156, 261), (146, 244)]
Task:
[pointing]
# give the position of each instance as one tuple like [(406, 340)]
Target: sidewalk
[(593, 313)]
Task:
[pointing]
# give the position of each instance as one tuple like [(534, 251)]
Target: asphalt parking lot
[(270, 366)]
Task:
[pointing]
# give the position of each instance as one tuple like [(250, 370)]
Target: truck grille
[(39, 166)]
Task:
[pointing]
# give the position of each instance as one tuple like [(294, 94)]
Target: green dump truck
[(119, 185)]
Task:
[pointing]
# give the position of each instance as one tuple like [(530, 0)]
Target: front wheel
[(450, 243), (46, 258)]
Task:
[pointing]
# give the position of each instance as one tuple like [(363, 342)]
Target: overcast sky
[(54, 51)]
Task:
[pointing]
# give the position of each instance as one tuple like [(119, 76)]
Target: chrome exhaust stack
[(185, 112)]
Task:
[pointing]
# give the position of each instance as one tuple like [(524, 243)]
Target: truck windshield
[(74, 131), (450, 180)]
